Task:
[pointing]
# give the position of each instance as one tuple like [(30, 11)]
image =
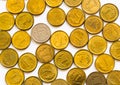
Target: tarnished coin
[(109, 12), (21, 40), (79, 37), (73, 3), (14, 77), (91, 6), (9, 57), (36, 7), (104, 63), (47, 72), (63, 59), (15, 6), (5, 40), (96, 78), (76, 76), (75, 17), (59, 82), (111, 32), (6, 21), (24, 21), (97, 45), (83, 58), (59, 39), (93, 24), (40, 33), (45, 53), (54, 3), (56, 16)]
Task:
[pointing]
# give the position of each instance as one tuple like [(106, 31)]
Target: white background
[(65, 27)]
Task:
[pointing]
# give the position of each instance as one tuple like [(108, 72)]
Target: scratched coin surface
[(54, 3), (73, 3), (40, 33), (59, 82), (47, 72)]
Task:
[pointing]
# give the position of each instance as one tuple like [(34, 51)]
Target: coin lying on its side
[(54, 3), (59, 82)]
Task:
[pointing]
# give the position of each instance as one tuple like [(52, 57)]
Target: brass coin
[(111, 32), (59, 82), (21, 40), (45, 53), (47, 72), (6, 21), (63, 59), (73, 3), (14, 77), (9, 57), (109, 12), (56, 16), (83, 59), (36, 7), (97, 45), (104, 63), (93, 24), (91, 6), (15, 6), (59, 39), (54, 3), (76, 76), (24, 21), (5, 40), (75, 17), (79, 37)]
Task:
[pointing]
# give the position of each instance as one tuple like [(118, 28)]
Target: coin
[(104, 63), (96, 78), (6, 21), (83, 58), (56, 16), (5, 40), (24, 21), (59, 82), (59, 39), (14, 77), (40, 33), (36, 7), (111, 32), (47, 72), (72, 3), (79, 37), (63, 59), (76, 76), (93, 24), (8, 57), (91, 6), (15, 6), (109, 12), (54, 3), (21, 40), (45, 53), (97, 45)]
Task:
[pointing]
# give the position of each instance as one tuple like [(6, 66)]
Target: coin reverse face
[(73, 3), (59, 82), (54, 3)]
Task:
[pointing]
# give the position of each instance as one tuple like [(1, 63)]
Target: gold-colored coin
[(97, 45), (36, 7), (27, 62), (104, 63), (47, 72), (75, 17), (79, 37), (5, 40), (109, 12), (14, 77), (83, 59), (59, 39), (111, 32), (93, 24), (21, 40), (45, 53), (9, 57), (91, 6), (6, 21), (59, 82), (15, 6), (56, 16), (76, 76), (73, 3), (54, 3), (24, 21), (63, 59)]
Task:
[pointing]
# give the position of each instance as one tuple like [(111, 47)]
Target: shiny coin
[(73, 3), (40, 33), (54, 3), (59, 82)]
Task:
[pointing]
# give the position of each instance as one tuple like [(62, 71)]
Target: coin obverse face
[(53, 3), (59, 82)]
